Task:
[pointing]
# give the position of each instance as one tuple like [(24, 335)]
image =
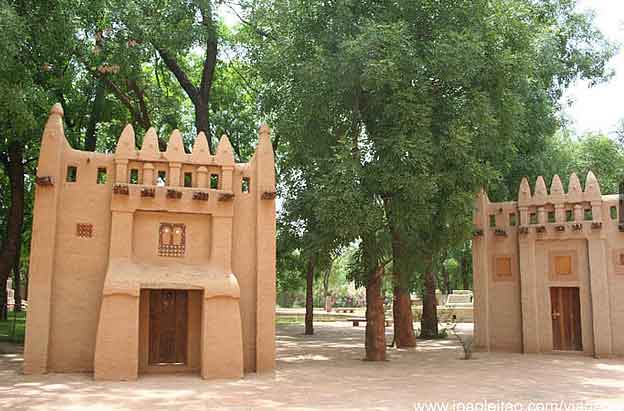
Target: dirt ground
[(326, 371)]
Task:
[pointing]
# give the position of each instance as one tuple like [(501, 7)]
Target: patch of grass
[(288, 320), (14, 328)]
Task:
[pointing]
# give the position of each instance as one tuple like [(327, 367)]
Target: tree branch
[(210, 61), (180, 75)]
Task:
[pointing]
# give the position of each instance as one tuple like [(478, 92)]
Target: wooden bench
[(345, 310), (356, 321)]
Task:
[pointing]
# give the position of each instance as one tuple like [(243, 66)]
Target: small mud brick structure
[(147, 261), (549, 270)]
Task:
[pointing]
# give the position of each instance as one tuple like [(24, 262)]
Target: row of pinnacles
[(205, 162), (574, 205), (543, 207)]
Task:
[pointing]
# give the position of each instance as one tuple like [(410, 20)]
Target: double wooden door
[(566, 318), (168, 327)]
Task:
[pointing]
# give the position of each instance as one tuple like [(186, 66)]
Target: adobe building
[(146, 261), (549, 270)]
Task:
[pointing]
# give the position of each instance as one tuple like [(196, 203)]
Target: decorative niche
[(618, 261), (503, 268), (563, 266)]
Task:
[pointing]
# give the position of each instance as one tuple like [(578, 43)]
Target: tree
[(432, 100), (37, 37)]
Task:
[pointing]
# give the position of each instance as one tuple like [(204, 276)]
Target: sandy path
[(326, 371)]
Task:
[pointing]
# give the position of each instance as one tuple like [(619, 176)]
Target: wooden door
[(566, 318), (167, 327)]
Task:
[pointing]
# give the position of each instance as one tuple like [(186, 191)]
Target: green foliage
[(392, 115)]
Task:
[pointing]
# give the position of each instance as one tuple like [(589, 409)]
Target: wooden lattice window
[(172, 240), (563, 265), (84, 230)]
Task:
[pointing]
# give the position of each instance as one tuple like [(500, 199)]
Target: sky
[(599, 108)]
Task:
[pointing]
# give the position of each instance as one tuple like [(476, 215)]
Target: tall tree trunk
[(14, 167), (326, 297), (94, 118), (429, 321), (375, 340), (4, 309), (309, 315), (447, 281), (404, 335), (202, 122), (464, 269), (17, 295)]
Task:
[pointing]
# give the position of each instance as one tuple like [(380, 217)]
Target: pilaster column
[(174, 174), (524, 216), (121, 171), (202, 177), (121, 234), (226, 178), (148, 174), (596, 207), (560, 216), (528, 290), (578, 213), (601, 310), (221, 251)]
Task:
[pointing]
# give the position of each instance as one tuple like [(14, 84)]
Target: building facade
[(549, 270), (145, 261)]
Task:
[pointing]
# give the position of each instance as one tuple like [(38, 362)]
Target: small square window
[(134, 176), (72, 174), (563, 265), (551, 216), (162, 178), (188, 179), (492, 220), (246, 185), (512, 219), (214, 181), (614, 212), (588, 214), (533, 218), (101, 175), (569, 215)]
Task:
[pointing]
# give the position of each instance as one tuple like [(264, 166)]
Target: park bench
[(356, 321), (345, 310)]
